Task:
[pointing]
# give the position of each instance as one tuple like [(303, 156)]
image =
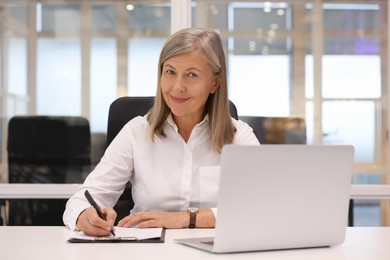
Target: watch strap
[(193, 213)]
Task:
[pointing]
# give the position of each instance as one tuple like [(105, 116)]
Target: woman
[(171, 155)]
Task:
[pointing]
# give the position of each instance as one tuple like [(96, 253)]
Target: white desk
[(64, 191), (51, 243)]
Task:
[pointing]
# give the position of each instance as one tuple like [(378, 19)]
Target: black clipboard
[(160, 239)]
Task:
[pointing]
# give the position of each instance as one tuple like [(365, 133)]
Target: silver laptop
[(281, 197)]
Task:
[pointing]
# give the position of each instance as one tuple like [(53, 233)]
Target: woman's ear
[(215, 86)]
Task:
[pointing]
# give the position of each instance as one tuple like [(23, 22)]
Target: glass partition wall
[(324, 61)]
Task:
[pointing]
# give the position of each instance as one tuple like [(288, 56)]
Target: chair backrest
[(277, 130), (123, 109), (62, 144), (46, 149)]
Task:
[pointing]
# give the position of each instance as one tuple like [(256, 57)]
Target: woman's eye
[(192, 75), (169, 72)]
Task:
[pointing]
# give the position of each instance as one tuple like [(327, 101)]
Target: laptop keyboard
[(210, 243)]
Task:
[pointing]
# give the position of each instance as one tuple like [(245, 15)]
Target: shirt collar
[(173, 124)]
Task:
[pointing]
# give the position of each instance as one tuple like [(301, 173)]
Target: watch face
[(192, 209)]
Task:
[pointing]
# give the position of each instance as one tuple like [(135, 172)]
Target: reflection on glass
[(351, 122), (143, 63), (19, 13), (266, 16), (150, 18), (58, 77), (352, 16), (60, 17), (352, 45), (103, 81), (259, 85), (263, 22), (103, 17), (17, 66), (215, 15), (246, 45)]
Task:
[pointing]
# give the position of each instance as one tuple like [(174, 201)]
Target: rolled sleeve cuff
[(71, 216)]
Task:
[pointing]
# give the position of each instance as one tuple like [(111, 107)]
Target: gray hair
[(209, 44)]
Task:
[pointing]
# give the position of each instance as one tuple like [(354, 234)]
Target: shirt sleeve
[(244, 134), (107, 181)]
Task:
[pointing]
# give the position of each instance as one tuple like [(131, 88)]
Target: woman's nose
[(178, 85)]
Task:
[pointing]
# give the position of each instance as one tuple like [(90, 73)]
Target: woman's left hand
[(154, 218)]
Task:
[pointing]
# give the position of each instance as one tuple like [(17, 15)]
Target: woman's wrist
[(204, 219)]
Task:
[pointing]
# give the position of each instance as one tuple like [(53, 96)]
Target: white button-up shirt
[(168, 174)]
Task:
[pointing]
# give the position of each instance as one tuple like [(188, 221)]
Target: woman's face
[(186, 82)]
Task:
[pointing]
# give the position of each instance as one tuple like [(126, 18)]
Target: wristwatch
[(192, 212)]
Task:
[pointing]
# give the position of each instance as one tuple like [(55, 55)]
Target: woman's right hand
[(91, 224)]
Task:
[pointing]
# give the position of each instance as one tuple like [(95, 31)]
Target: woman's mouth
[(179, 99)]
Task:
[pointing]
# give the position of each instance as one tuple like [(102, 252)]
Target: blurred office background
[(324, 61)]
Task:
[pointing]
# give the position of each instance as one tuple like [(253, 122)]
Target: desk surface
[(371, 243)]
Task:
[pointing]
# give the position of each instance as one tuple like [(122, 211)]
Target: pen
[(93, 204)]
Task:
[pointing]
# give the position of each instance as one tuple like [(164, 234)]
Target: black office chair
[(46, 149), (121, 111)]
